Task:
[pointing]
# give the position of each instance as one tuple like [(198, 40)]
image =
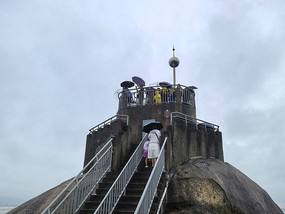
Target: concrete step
[(86, 211), (113, 174), (96, 197), (128, 205), (140, 174), (102, 191), (133, 198), (139, 180), (136, 185), (134, 192), (105, 185), (92, 204), (123, 211)]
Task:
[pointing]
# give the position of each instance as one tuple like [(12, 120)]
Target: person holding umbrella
[(153, 147), (140, 90), (126, 92), (165, 91), (154, 135)]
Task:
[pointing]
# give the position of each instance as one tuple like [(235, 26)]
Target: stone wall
[(159, 113), (122, 146), (186, 142)]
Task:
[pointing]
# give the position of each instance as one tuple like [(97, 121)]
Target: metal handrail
[(162, 197), (119, 186), (150, 189), (83, 184), (189, 118), (156, 95), (109, 121)]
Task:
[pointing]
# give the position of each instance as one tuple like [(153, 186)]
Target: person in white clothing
[(153, 148)]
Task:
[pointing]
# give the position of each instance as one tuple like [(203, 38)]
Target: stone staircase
[(93, 202), (128, 202)]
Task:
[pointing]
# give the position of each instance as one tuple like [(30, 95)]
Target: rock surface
[(212, 186), (39, 203), (206, 186)]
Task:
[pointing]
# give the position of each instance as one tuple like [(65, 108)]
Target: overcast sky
[(62, 61)]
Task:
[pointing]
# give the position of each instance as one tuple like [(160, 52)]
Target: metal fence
[(156, 95), (189, 119), (109, 121), (118, 188), (79, 189), (150, 190), (162, 197)]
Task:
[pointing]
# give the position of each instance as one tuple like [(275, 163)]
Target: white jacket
[(154, 136)]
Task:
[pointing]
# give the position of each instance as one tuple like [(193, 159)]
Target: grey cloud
[(61, 62)]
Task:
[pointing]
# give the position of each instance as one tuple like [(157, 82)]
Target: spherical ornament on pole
[(174, 62)]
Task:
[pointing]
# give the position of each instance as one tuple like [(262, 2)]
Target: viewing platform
[(155, 95), (156, 102)]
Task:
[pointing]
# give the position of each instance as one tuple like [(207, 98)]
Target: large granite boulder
[(39, 203), (213, 186)]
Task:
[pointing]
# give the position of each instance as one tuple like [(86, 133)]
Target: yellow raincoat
[(157, 98)]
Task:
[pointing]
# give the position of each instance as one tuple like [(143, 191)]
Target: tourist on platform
[(172, 96), (140, 95), (128, 94), (157, 97), (164, 95), (149, 99)]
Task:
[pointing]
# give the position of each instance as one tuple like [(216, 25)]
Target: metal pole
[(174, 77)]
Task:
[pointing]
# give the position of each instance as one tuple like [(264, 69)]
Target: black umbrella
[(138, 81), (152, 125), (127, 84), (165, 84), (191, 88)]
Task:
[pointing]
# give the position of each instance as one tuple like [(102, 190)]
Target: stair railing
[(150, 189), (162, 197), (80, 188), (188, 118), (118, 188), (109, 121)]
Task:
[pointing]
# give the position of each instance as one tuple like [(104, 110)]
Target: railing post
[(124, 99), (178, 94), (75, 198), (110, 160), (151, 97)]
